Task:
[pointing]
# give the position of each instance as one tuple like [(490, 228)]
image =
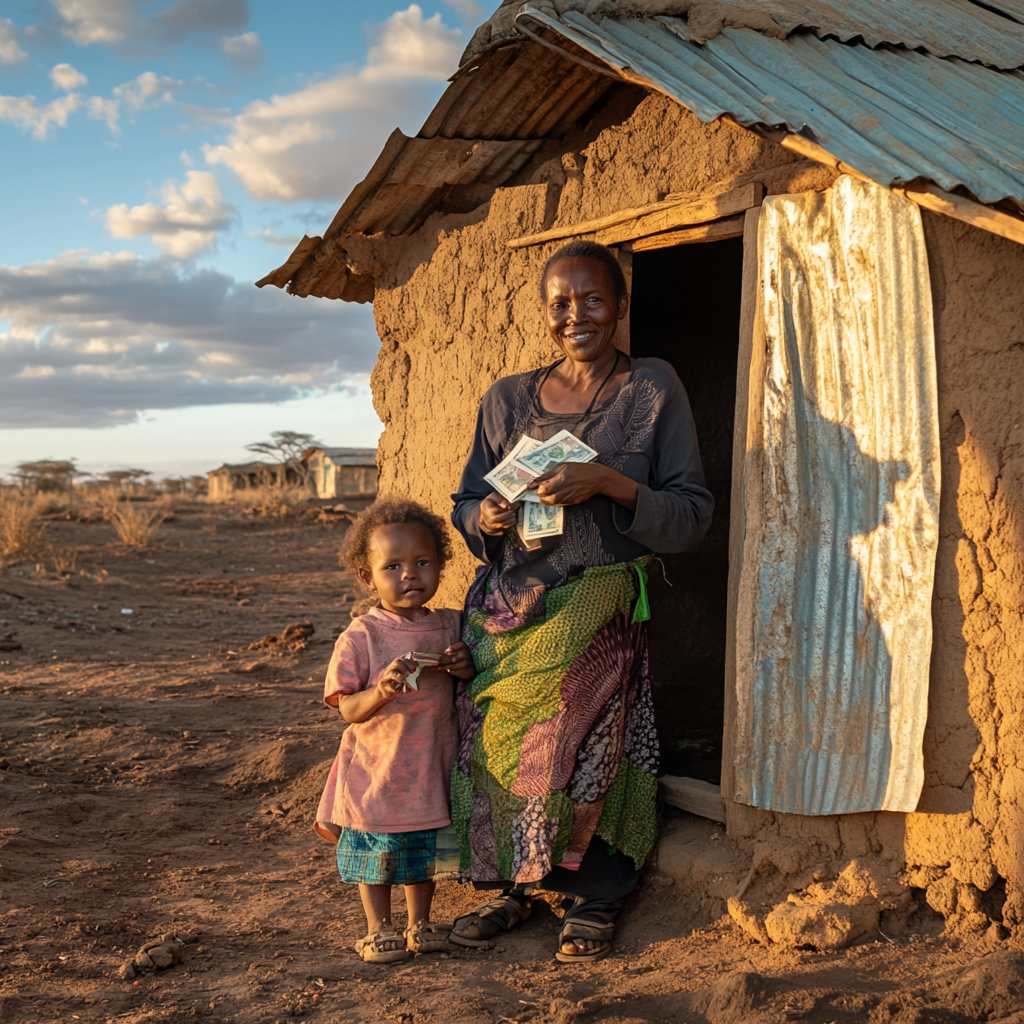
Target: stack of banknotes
[(527, 461)]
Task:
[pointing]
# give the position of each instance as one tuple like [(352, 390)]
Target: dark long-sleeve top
[(643, 428)]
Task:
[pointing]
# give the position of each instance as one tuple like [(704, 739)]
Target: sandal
[(589, 920), (372, 950), (498, 915), (426, 937)]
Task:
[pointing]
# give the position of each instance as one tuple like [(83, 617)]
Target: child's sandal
[(372, 950), (426, 937)]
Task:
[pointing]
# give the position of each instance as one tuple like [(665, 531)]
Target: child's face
[(404, 567)]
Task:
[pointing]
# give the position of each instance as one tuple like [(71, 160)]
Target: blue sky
[(156, 158)]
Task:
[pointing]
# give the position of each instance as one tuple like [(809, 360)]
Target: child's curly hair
[(391, 511)]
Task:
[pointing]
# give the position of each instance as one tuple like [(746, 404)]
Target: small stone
[(127, 971)]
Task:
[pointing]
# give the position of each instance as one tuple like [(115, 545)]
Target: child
[(387, 794)]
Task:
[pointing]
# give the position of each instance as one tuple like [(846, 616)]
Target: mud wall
[(964, 848)]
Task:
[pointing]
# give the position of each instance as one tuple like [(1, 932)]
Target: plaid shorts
[(387, 858)]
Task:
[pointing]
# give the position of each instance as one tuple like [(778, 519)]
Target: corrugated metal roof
[(841, 497), (945, 28), (892, 113), (350, 456), (989, 32)]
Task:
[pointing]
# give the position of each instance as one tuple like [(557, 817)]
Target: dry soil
[(158, 777)]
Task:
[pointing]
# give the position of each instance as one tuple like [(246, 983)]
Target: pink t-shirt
[(392, 771)]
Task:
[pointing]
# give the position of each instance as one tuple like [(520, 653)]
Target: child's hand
[(458, 661), (392, 681)]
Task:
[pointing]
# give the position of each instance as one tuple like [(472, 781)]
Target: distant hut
[(820, 210), (223, 483), (344, 473)]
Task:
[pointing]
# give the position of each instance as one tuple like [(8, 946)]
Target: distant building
[(225, 481), (342, 472)]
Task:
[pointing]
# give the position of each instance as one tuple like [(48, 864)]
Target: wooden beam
[(684, 215), (731, 227), (694, 796), (646, 220), (745, 495), (933, 198)]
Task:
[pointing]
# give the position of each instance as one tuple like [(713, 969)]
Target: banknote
[(563, 447), (541, 520), (423, 660), (509, 478)]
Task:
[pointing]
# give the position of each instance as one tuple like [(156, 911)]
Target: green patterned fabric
[(557, 729)]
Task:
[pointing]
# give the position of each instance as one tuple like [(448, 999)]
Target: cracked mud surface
[(157, 781)]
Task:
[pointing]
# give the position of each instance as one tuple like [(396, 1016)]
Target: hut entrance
[(686, 310)]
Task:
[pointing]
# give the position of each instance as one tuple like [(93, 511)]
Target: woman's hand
[(497, 515), (458, 661), (573, 483)]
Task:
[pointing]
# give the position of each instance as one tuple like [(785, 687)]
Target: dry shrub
[(135, 525), (65, 561), (54, 503), (275, 502), (21, 532)]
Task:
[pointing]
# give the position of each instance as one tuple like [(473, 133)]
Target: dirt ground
[(158, 778)]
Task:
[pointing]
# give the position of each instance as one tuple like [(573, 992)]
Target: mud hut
[(342, 472), (819, 208), (225, 481)]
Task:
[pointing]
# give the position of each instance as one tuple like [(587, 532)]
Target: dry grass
[(21, 532), (135, 524), (274, 502), (52, 503)]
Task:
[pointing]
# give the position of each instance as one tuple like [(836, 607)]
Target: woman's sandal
[(590, 921), (496, 916), (372, 950), (426, 937)]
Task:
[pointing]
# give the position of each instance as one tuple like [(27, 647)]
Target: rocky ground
[(158, 773)]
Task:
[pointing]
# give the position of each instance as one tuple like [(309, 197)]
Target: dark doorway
[(686, 310)]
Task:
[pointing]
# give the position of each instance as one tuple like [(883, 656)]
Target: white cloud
[(65, 77), (187, 222), (314, 143), (273, 238), (93, 338), (244, 52), (96, 21), (10, 51), (100, 109), (26, 113), (150, 89)]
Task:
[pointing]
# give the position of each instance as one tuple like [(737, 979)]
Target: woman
[(554, 785)]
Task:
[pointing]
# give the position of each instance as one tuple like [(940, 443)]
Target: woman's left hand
[(458, 661), (573, 483)]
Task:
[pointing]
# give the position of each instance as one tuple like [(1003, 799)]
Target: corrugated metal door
[(833, 612)]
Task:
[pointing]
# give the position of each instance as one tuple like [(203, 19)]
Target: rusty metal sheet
[(834, 614), (945, 28), (894, 114)]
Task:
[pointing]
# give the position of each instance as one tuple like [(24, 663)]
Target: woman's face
[(581, 307)]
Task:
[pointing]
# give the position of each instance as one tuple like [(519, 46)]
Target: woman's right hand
[(497, 515)]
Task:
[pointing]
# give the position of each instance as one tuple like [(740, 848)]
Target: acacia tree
[(286, 447), (47, 474)]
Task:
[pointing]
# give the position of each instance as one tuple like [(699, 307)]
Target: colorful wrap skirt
[(557, 742)]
